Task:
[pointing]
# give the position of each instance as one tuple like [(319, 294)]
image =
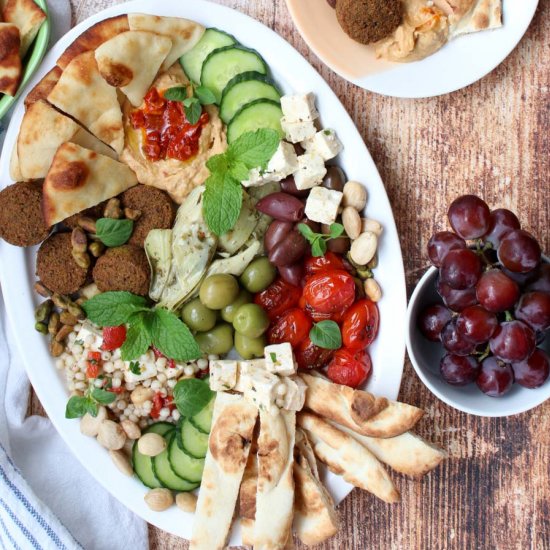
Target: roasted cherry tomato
[(93, 364), (113, 337), (350, 368), (277, 298), (329, 292), (293, 326), (360, 325), (310, 356), (328, 262)]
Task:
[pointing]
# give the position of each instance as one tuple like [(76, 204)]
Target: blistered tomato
[(328, 262), (350, 368), (113, 337), (93, 364), (329, 292), (360, 325), (310, 356), (293, 326), (277, 298)]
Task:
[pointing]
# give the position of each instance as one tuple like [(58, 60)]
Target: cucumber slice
[(165, 474), (223, 64), (243, 89), (143, 465), (262, 113), (191, 441), (211, 40), (203, 420), (185, 466)]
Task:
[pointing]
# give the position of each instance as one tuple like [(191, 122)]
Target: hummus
[(174, 176)]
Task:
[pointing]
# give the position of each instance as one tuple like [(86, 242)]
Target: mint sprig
[(222, 202), (192, 104), (191, 395), (112, 232), (326, 334), (79, 405), (318, 241)]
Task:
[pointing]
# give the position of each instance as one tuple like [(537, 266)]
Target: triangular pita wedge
[(247, 498), (10, 61), (131, 60), (407, 453), (474, 16), (94, 36), (44, 86), (43, 130), (82, 93), (346, 457), (28, 17), (183, 33), (80, 178), (359, 410), (15, 170)]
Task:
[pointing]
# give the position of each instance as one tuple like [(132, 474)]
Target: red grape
[(458, 370), (502, 222), (432, 320), (534, 309), (533, 372), (469, 216), (513, 341), (441, 243), (542, 280), (495, 378), (456, 300), (496, 292), (461, 269), (454, 342), (519, 251), (476, 324), (520, 278)]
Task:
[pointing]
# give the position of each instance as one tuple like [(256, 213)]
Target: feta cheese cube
[(325, 144), (89, 337), (262, 389), (147, 369), (257, 178), (173, 372), (311, 171), (245, 369), (298, 131), (284, 161), (322, 205), (223, 375), (295, 395), (279, 359), (299, 107)]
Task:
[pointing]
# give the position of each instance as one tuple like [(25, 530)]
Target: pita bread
[(183, 33), (228, 448), (131, 60), (247, 498), (28, 17), (474, 15), (78, 179), (82, 93), (275, 495), (359, 410), (346, 457), (407, 453), (10, 61), (93, 37), (44, 87), (15, 171)]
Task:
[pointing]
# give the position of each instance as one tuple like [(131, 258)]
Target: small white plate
[(457, 64)]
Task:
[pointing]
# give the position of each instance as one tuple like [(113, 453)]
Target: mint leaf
[(76, 407), (191, 395), (222, 202), (326, 334), (306, 231), (336, 229), (110, 309), (193, 112), (239, 171), (172, 337), (91, 407), (188, 101), (138, 339), (205, 96), (217, 163), (318, 247), (178, 93), (103, 396), (113, 232), (254, 149)]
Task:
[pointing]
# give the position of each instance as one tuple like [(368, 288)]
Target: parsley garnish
[(135, 368), (78, 406), (192, 104)]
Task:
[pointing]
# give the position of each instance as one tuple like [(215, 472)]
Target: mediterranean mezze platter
[(218, 277)]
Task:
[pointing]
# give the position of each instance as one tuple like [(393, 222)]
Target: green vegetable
[(192, 104), (251, 321), (217, 341), (78, 406), (229, 312), (197, 316), (318, 241), (326, 334), (113, 232), (248, 348), (110, 309), (158, 247), (218, 291), (191, 396), (259, 274)]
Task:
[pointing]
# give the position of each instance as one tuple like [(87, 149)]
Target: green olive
[(217, 341), (228, 312), (197, 316), (248, 348), (251, 321), (259, 274), (218, 291)]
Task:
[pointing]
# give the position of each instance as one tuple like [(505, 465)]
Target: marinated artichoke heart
[(234, 239), (235, 265), (158, 247)]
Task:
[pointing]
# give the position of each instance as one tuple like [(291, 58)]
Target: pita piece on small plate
[(44, 87), (10, 61), (359, 410), (28, 17), (131, 61), (83, 93), (347, 457), (93, 37), (80, 178), (43, 130), (228, 447), (183, 33), (475, 16), (407, 453)]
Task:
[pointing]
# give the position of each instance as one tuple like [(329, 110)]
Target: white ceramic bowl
[(425, 357)]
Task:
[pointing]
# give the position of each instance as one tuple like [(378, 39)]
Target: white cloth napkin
[(47, 499)]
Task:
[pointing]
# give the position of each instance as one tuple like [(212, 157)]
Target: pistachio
[(63, 332), (371, 225), (96, 249), (53, 323), (80, 301), (373, 290), (41, 327), (355, 195), (41, 289), (359, 288), (352, 222), (121, 462), (186, 502), (82, 259), (128, 447), (112, 209), (43, 311), (132, 214), (60, 301), (56, 348), (74, 309), (373, 263), (364, 273), (131, 429), (140, 395), (159, 499), (79, 241), (151, 444), (363, 248), (111, 436), (89, 425), (88, 224)]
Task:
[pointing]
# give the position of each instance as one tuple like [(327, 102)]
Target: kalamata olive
[(332, 3), (334, 178), (314, 226), (288, 185), (292, 274), (289, 250), (298, 149), (281, 206), (340, 245), (276, 232)]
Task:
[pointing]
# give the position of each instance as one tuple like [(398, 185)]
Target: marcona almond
[(351, 222), (373, 290), (159, 499), (186, 502), (151, 444), (89, 425), (355, 195), (121, 462), (111, 436), (363, 248), (131, 429), (141, 394), (372, 225)]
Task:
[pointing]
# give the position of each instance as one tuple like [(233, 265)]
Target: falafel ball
[(56, 267), (368, 21), (123, 268), (21, 219), (157, 210)]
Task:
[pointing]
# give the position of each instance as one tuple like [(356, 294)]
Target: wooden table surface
[(492, 139)]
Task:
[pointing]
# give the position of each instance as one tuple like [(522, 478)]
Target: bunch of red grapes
[(496, 296)]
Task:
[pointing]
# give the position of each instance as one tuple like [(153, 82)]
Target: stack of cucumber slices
[(179, 467), (239, 79)]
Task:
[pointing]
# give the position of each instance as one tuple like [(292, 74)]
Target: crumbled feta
[(311, 171), (245, 369), (279, 359), (258, 177), (147, 369), (298, 131), (295, 395), (174, 371), (261, 389), (223, 374), (324, 143), (322, 205), (299, 107), (89, 337)]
